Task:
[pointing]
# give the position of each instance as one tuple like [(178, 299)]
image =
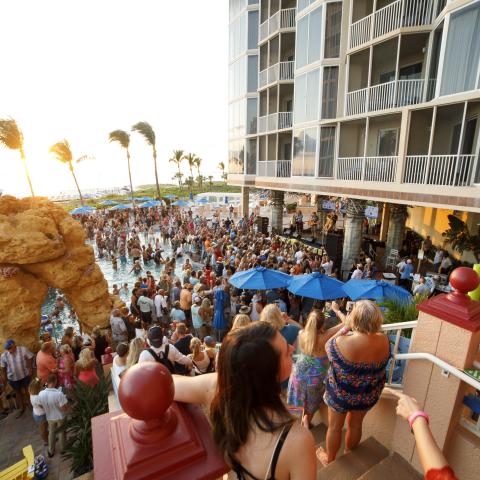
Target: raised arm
[(198, 390)]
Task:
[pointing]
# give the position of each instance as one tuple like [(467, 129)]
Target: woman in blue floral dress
[(306, 385)]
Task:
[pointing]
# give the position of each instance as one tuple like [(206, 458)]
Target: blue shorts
[(17, 385), (39, 418)]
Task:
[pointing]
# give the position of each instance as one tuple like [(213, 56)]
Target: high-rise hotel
[(374, 100)]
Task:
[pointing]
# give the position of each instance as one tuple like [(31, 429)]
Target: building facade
[(376, 100)]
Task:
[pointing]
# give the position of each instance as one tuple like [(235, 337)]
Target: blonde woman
[(66, 362), (34, 388), (85, 368), (241, 320), (136, 347), (202, 360), (306, 385), (358, 356), (281, 322)]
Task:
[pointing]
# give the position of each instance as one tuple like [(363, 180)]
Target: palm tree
[(178, 159), (123, 138), (190, 158), (145, 129), (63, 153), (197, 162), (221, 166), (12, 137), (210, 180)]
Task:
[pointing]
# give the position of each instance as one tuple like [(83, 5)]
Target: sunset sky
[(80, 69)]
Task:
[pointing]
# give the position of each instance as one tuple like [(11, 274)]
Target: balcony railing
[(401, 13), (448, 170), (279, 72), (274, 168), (367, 169), (397, 93), (275, 121), (283, 19)]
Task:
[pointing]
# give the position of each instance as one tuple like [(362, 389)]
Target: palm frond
[(221, 166), (190, 158), (62, 151), (120, 136), (177, 157), (146, 130), (84, 157), (197, 162), (10, 135)]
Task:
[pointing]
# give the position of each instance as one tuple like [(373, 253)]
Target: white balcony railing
[(401, 13), (367, 169), (283, 19), (274, 168), (448, 170), (397, 93), (280, 71), (275, 121)]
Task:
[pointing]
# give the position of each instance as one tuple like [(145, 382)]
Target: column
[(352, 240), (244, 202), (384, 219), (277, 211), (396, 228)]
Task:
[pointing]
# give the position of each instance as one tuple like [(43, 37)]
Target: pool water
[(119, 276)]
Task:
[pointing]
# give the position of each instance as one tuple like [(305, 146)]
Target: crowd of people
[(183, 313)]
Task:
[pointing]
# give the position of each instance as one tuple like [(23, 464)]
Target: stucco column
[(277, 211), (352, 240), (396, 227), (448, 328), (244, 202), (385, 220)]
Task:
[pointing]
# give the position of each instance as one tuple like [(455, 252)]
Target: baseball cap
[(8, 344), (209, 341), (155, 337)]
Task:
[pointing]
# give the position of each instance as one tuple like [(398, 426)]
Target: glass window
[(300, 96), (303, 4), (252, 73), (434, 60), (298, 147), (326, 151), (251, 115), (251, 156), (333, 29), (302, 43), (329, 92), (253, 30), (310, 150), (314, 35), (387, 142), (313, 86), (462, 52)]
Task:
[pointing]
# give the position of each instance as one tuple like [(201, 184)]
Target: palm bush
[(395, 311), (88, 402)]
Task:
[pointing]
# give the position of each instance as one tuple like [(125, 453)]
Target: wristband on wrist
[(344, 330), (411, 419)]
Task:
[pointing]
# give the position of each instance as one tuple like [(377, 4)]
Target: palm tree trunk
[(156, 173), (191, 183), (76, 183), (130, 178), (22, 156), (179, 176), (200, 180)]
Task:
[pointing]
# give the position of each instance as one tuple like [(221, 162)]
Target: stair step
[(354, 463), (394, 467)]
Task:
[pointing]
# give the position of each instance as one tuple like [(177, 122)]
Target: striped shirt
[(16, 364)]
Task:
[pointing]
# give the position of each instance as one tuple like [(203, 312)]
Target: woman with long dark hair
[(251, 426)]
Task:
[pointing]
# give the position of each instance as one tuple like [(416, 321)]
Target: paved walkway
[(18, 433)]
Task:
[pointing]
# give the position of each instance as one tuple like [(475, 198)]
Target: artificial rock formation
[(42, 246)]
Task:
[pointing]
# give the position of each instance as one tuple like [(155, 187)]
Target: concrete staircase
[(369, 461)]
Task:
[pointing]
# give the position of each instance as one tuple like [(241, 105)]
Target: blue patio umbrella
[(180, 203), (82, 210), (109, 202), (170, 196), (318, 286), (151, 203), (375, 290), (260, 278), (122, 206), (202, 200)]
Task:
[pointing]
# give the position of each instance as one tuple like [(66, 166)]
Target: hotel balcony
[(393, 94), (282, 20), (275, 121), (274, 168), (280, 72), (367, 169), (398, 14)]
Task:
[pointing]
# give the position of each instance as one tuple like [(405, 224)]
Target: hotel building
[(374, 100)]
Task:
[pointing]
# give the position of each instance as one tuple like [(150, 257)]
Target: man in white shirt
[(147, 307), (299, 255), (161, 306), (162, 351), (358, 272), (119, 329), (55, 404), (327, 265)]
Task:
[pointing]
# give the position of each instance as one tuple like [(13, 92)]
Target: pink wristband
[(411, 419), (344, 330)]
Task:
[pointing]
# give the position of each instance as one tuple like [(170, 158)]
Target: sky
[(78, 69)]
